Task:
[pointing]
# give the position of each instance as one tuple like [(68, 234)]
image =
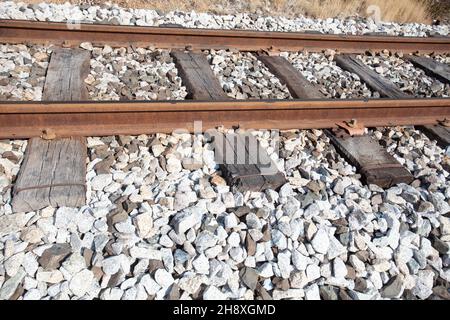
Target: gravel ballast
[(132, 74), (156, 227), (22, 71), (404, 75), (242, 76), (332, 81)]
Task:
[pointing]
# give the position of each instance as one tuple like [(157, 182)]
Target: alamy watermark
[(374, 13), (73, 24), (237, 149)]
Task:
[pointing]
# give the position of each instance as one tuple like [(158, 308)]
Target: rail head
[(48, 107), (198, 38)]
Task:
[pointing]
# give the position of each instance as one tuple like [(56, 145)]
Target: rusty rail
[(28, 119), (17, 31)]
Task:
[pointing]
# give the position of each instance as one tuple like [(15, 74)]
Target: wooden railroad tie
[(431, 67), (249, 168), (389, 90), (245, 164), (441, 72), (197, 76), (53, 172), (385, 87), (374, 163), (298, 86)]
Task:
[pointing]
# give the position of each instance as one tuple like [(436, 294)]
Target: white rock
[(216, 207), (234, 239), (85, 222), (339, 268), (87, 46), (184, 199), (158, 149), (279, 239), (335, 249), (130, 282), (101, 181), (213, 293), (54, 276), (218, 59), (173, 165), (145, 253), (144, 224), (312, 272), (321, 242), (230, 221), (75, 263), (125, 227), (201, 264), (30, 263), (265, 270), (9, 286), (356, 263), (284, 264), (81, 282), (163, 278), (64, 216), (299, 261), (312, 292), (111, 265), (150, 285), (228, 200), (205, 240), (12, 223), (191, 282), (424, 284), (33, 294), (13, 264), (187, 219)]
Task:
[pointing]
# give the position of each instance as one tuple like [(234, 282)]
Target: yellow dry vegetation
[(387, 10)]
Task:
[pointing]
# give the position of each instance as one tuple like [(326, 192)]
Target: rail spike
[(48, 134), (352, 127)]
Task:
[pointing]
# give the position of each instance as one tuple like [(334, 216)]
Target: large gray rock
[(10, 285), (321, 242)]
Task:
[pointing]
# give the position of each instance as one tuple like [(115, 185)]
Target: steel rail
[(28, 119), (19, 31)]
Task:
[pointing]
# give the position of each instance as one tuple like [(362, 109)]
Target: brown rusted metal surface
[(17, 31), (29, 119)]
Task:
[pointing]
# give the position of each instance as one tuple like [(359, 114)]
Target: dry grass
[(389, 10), (403, 10)]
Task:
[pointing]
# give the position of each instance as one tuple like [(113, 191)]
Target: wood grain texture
[(298, 85), (431, 67), (245, 164), (371, 78), (437, 132), (375, 164), (197, 76), (53, 172), (65, 75), (441, 72)]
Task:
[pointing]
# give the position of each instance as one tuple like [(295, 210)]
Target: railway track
[(16, 31), (65, 110), (30, 119), (24, 120)]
